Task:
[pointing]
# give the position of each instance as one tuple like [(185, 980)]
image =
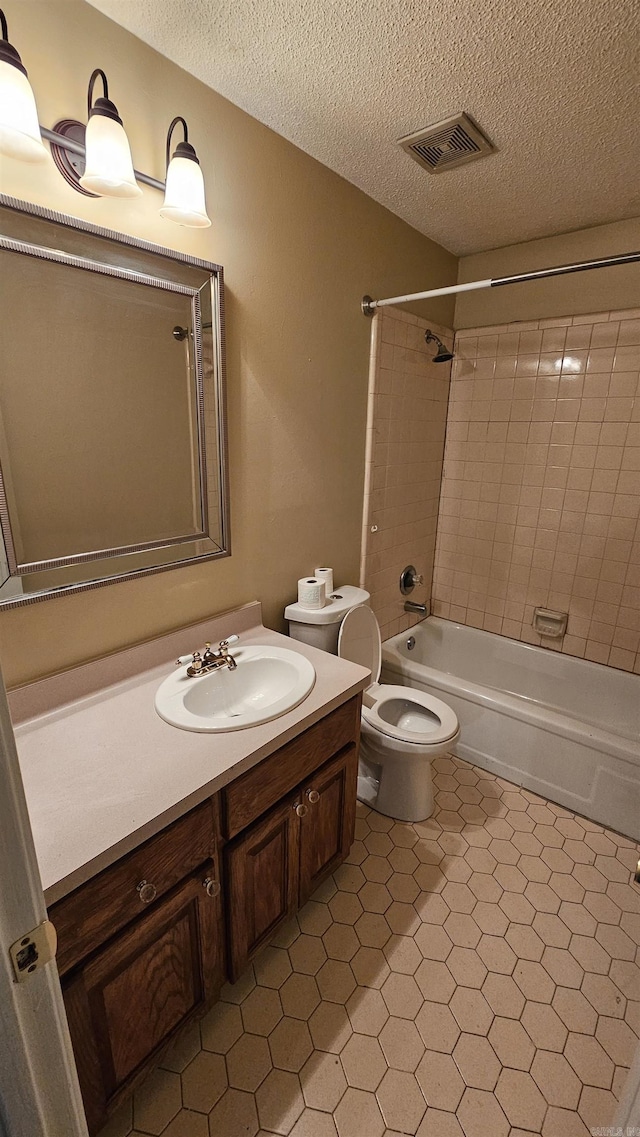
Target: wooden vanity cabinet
[(143, 946), (129, 998), (327, 830), (141, 951), (273, 868), (274, 865), (262, 884)]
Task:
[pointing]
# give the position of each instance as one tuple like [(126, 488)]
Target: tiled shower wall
[(541, 485), (405, 444)]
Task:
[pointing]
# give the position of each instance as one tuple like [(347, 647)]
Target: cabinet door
[(327, 828), (94, 912), (130, 997), (261, 881)]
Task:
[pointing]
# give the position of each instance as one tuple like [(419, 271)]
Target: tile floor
[(475, 975)]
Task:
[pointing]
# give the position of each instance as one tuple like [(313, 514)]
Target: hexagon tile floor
[(475, 975)]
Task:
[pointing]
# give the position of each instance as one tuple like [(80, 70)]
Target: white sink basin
[(268, 682)]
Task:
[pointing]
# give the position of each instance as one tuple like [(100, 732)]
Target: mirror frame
[(210, 336)]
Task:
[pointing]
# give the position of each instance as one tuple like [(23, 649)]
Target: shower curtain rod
[(369, 306)]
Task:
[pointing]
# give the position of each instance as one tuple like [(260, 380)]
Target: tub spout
[(411, 606)]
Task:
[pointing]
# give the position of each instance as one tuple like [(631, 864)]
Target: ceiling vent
[(447, 144)]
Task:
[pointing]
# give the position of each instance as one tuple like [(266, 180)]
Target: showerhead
[(442, 355)]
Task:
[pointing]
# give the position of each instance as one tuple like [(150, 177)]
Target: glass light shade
[(19, 128), (184, 194), (108, 164)]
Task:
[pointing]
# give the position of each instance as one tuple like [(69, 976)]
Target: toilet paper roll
[(325, 574), (311, 593)]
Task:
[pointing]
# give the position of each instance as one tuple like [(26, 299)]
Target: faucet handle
[(194, 660), (223, 649), (229, 641)]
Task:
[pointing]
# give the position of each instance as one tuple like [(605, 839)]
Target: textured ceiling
[(553, 83)]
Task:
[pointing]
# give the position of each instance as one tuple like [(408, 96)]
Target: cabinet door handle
[(301, 809), (146, 891), (212, 886), (313, 796)]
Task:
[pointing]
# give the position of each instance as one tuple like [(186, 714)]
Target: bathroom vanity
[(151, 925)]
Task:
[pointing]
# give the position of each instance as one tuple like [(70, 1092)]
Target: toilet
[(402, 728)]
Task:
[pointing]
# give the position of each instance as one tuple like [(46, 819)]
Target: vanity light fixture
[(108, 164), (95, 160), (19, 130), (184, 193)]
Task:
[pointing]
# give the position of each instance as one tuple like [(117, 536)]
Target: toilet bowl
[(402, 729)]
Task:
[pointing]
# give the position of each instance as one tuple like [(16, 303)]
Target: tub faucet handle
[(409, 578)]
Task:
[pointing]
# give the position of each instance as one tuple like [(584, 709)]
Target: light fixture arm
[(102, 105), (70, 144), (174, 123), (184, 149), (97, 74), (8, 53)]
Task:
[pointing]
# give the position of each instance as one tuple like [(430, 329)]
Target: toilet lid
[(359, 640)]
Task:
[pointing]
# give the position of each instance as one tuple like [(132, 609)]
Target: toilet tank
[(320, 627)]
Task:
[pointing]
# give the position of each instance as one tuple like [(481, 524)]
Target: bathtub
[(563, 727)]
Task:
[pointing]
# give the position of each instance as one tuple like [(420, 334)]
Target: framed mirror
[(113, 455)]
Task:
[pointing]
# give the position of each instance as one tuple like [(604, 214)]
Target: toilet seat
[(398, 712), (410, 715)]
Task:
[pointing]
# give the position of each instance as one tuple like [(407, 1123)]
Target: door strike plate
[(33, 950)]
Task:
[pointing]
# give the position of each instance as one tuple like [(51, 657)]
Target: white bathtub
[(562, 727)]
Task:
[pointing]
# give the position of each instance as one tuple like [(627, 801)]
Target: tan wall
[(601, 290), (541, 486), (406, 426), (300, 246)]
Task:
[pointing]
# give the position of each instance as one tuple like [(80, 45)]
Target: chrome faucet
[(411, 606), (202, 663)]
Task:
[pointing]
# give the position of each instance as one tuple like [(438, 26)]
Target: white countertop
[(103, 772)]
